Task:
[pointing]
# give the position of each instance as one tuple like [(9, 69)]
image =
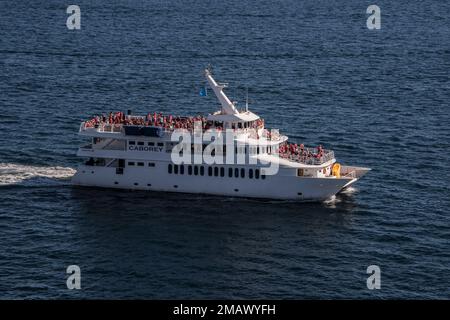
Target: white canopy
[(235, 117)]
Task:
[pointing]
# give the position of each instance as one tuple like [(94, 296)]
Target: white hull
[(157, 179)]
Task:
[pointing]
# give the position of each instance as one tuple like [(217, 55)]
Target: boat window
[(257, 150), (140, 164), (222, 171), (250, 173), (175, 168), (131, 143), (140, 143), (169, 168), (263, 176), (151, 164), (242, 173), (181, 169), (131, 163), (230, 172), (196, 170), (202, 171), (160, 144), (151, 144), (300, 172), (236, 172), (210, 171), (256, 173), (216, 171), (190, 170)]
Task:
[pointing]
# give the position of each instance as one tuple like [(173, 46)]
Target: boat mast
[(228, 107)]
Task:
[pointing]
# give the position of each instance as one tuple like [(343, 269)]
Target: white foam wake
[(11, 173), (332, 201), (349, 190)]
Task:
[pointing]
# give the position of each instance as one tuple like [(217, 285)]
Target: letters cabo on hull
[(229, 152)]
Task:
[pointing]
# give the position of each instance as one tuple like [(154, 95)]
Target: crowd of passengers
[(168, 122), (298, 152)]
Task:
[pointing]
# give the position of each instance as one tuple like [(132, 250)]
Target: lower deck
[(242, 181)]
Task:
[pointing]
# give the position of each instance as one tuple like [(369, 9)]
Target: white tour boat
[(147, 153)]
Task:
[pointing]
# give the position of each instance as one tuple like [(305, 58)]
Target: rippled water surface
[(378, 98)]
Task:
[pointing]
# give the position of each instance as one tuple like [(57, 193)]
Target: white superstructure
[(136, 152)]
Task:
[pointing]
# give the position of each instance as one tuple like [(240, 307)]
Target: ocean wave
[(11, 174)]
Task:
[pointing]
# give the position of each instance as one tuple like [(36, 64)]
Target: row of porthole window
[(140, 164), (136, 184), (215, 171)]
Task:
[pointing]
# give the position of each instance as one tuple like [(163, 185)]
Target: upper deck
[(160, 126), (141, 128)]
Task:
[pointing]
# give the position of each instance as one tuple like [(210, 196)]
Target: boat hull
[(157, 179)]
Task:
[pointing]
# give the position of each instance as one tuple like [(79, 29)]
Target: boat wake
[(332, 201), (349, 190), (13, 174)]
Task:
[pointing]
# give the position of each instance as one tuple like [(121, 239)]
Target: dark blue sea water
[(379, 98)]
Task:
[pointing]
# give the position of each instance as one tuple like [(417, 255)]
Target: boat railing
[(309, 157), (110, 128), (273, 134), (102, 127), (252, 133)]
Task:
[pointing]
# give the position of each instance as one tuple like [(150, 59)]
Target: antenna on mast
[(246, 100)]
